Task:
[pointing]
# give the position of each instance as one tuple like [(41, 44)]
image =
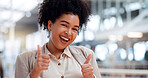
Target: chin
[(61, 47)]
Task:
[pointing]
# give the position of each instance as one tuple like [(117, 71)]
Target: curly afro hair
[(53, 9)]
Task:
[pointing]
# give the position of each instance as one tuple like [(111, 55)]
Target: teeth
[(64, 38)]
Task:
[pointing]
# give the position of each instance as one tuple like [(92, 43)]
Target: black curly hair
[(53, 9)]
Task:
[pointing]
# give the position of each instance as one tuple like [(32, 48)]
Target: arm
[(21, 68)]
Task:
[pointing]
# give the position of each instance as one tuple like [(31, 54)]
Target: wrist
[(34, 74)]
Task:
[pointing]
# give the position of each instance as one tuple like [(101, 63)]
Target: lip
[(66, 39), (63, 41)]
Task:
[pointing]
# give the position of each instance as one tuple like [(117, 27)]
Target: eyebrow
[(68, 23), (64, 21)]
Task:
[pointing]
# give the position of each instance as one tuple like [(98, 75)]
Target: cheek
[(53, 34), (56, 31), (74, 35)]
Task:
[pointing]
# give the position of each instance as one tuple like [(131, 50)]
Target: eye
[(64, 25), (75, 29)]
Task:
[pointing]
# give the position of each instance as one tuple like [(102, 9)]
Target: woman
[(56, 59)]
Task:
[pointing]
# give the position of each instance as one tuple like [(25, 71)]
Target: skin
[(87, 69), (66, 26)]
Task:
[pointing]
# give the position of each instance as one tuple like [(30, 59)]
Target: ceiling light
[(135, 35)]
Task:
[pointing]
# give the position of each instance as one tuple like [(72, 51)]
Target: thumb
[(39, 50), (88, 59)]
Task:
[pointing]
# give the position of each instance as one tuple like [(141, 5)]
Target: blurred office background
[(117, 32)]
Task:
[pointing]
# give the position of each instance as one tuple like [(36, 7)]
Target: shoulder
[(26, 56), (28, 53), (24, 63)]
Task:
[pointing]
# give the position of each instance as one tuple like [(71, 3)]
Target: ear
[(49, 25)]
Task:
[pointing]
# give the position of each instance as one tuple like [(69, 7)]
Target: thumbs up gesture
[(41, 64), (87, 69)]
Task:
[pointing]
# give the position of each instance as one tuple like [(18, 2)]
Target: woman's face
[(64, 31)]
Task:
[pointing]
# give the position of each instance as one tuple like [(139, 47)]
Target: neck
[(53, 50)]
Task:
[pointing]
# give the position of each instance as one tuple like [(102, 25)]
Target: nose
[(68, 31)]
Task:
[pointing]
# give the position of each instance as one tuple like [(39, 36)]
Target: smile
[(64, 38)]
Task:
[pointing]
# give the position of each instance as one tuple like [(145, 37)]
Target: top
[(68, 66)]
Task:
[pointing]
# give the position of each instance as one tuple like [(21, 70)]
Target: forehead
[(71, 18)]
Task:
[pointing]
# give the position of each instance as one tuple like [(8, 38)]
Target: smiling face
[(64, 31)]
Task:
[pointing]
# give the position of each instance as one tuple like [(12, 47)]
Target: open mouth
[(64, 38)]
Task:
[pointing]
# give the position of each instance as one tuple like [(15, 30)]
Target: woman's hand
[(87, 69), (41, 64)]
